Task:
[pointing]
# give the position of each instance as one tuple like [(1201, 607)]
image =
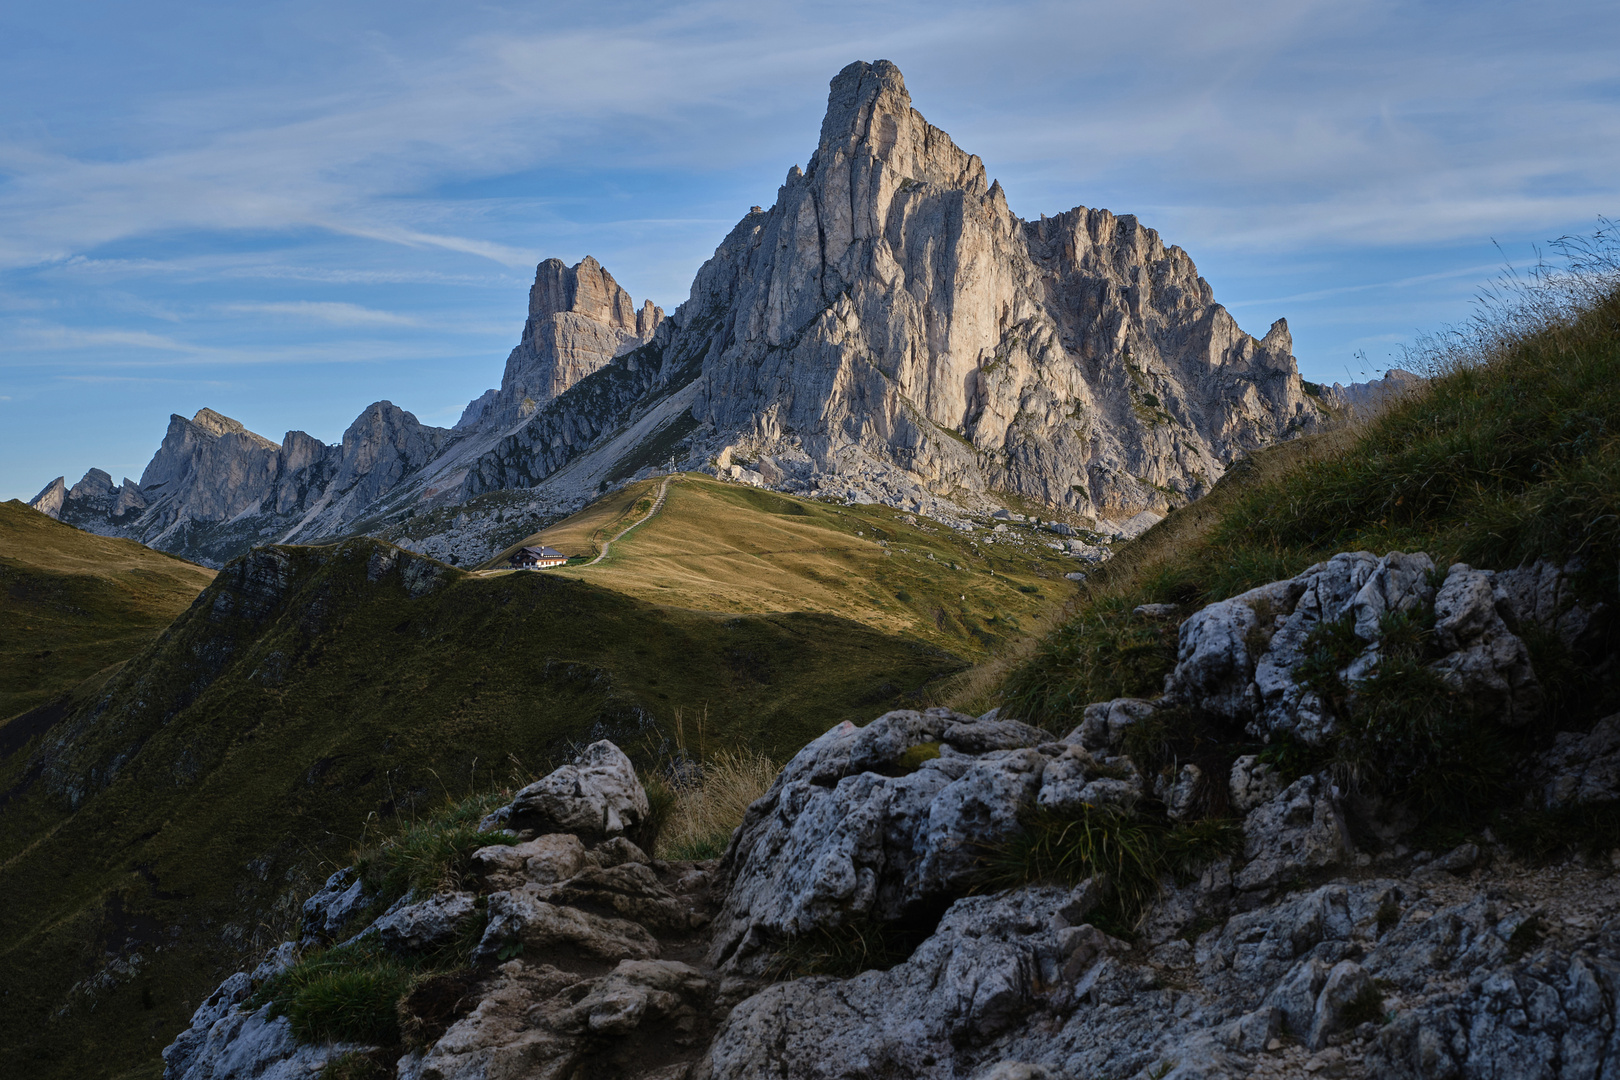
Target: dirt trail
[(658, 504)]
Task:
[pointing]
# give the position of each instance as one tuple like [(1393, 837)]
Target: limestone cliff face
[(579, 319), (214, 488), (889, 310)]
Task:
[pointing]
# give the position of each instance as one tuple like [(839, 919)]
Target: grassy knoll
[(165, 830), (72, 603), (731, 548)]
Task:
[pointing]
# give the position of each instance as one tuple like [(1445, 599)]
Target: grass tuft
[(1132, 852), (698, 813), (432, 853), (348, 994), (843, 951)]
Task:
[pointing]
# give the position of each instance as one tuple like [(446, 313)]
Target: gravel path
[(658, 504)]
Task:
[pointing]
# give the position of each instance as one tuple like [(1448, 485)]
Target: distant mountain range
[(888, 331)]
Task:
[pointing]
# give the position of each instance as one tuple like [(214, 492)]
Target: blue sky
[(287, 210)]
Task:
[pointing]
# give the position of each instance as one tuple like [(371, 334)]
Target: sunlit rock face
[(579, 319), (889, 310)]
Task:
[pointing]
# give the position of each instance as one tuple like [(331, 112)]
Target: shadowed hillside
[(172, 823), (72, 603)]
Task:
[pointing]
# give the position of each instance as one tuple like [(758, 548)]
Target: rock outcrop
[(887, 331), (579, 319), (1308, 948)]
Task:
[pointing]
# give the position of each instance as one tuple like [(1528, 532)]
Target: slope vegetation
[(71, 603)]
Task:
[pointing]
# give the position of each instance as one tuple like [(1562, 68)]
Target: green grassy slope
[(167, 828), (731, 548), (71, 603)]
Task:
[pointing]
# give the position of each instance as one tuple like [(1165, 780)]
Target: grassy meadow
[(724, 547)]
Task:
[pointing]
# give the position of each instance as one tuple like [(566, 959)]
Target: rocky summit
[(887, 331)]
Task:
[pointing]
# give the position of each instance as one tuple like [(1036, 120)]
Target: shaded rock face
[(1238, 659), (215, 489), (889, 309)]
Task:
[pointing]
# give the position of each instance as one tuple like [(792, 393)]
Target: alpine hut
[(537, 558)]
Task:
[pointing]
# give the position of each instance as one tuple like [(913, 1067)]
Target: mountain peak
[(857, 94), (216, 423)]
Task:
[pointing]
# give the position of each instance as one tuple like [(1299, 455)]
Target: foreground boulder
[(885, 822), (595, 798)]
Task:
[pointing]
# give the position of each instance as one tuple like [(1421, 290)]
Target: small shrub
[(341, 995), (1413, 738)]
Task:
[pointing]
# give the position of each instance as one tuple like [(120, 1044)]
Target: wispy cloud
[(1472, 272), (333, 312)]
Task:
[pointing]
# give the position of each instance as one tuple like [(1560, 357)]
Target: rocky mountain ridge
[(1310, 946), (886, 331)]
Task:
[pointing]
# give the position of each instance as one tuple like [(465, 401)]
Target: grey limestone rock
[(541, 1021), (1487, 660), (596, 797), (1236, 658), (1581, 768), (428, 924), (1252, 783), (227, 1042), (1346, 985), (839, 837), (990, 961), (521, 917), (1300, 830), (1102, 726), (326, 914)]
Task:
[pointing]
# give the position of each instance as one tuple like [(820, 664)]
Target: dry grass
[(733, 549), (701, 812)]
